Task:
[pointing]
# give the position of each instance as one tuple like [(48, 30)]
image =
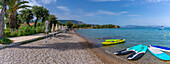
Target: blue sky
[(118, 12)]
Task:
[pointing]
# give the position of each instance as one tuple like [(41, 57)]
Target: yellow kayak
[(107, 43), (113, 41)]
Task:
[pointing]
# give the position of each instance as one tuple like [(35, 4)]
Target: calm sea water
[(132, 36)]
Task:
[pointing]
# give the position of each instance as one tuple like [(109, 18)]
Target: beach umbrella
[(46, 29), (47, 25)]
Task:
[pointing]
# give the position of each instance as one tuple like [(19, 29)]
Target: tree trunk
[(1, 27), (2, 22), (28, 23), (43, 20), (35, 25), (12, 21)]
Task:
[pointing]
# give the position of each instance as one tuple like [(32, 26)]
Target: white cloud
[(67, 16), (38, 2), (123, 12), (100, 12), (63, 8), (104, 0), (132, 15), (48, 1), (32, 3), (106, 12), (157, 0)]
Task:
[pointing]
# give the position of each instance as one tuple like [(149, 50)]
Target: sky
[(118, 12)]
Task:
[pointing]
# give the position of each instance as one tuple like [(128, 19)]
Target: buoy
[(169, 33), (164, 35)]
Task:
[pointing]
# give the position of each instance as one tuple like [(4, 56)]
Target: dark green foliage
[(40, 29), (26, 15), (52, 20), (24, 30), (27, 31), (5, 41), (95, 26), (69, 24), (45, 15), (7, 32), (41, 13)]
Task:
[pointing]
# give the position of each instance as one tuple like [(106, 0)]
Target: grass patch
[(5, 41)]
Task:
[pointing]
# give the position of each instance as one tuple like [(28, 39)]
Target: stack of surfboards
[(113, 41), (157, 51), (137, 52)]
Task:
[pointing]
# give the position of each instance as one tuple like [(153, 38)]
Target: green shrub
[(28, 30), (7, 32), (25, 30), (5, 41), (39, 29), (14, 34)]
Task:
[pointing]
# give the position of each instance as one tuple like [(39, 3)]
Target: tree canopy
[(26, 15), (69, 24)]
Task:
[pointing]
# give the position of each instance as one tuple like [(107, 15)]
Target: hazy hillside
[(73, 21), (137, 26)]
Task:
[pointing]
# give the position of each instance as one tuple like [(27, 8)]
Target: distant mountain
[(137, 26), (73, 21)]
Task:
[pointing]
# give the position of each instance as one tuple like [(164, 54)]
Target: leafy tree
[(41, 13), (45, 14), (2, 15), (26, 15), (52, 19), (14, 5), (37, 12), (69, 24)]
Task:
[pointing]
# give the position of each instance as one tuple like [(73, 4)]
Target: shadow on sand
[(58, 46), (63, 36)]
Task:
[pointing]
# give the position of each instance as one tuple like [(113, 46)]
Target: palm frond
[(20, 3), (23, 6)]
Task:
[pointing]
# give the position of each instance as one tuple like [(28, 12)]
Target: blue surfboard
[(161, 48), (159, 54)]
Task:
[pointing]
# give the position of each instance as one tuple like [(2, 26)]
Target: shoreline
[(104, 56)]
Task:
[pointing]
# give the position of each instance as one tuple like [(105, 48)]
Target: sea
[(133, 36)]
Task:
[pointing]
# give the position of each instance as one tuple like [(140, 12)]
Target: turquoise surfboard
[(128, 50), (138, 53), (159, 54)]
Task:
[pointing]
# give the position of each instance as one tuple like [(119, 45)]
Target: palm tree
[(14, 5), (26, 15), (52, 19), (2, 15)]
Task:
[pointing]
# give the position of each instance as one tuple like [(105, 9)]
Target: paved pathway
[(62, 49), (24, 38)]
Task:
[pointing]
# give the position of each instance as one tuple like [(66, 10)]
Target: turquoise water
[(132, 36)]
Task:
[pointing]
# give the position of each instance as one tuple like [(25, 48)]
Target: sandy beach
[(63, 49)]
